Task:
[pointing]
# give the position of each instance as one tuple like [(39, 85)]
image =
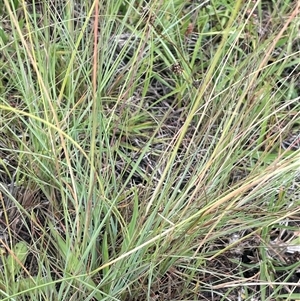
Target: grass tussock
[(149, 152)]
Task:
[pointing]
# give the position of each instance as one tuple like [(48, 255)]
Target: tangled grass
[(149, 153)]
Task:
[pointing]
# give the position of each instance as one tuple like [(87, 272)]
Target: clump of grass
[(149, 154)]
